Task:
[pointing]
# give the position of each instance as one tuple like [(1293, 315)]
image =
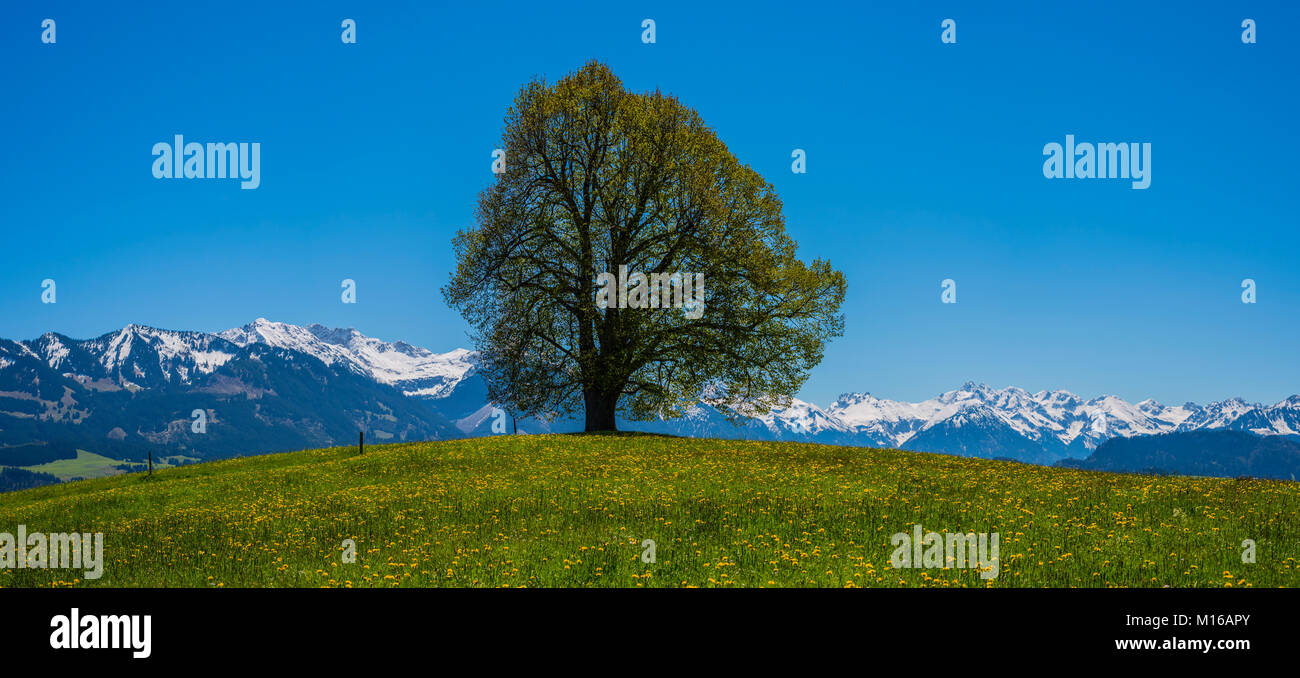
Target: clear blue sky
[(924, 163)]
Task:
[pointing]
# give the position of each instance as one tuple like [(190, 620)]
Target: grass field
[(574, 510), (91, 465), (85, 465)]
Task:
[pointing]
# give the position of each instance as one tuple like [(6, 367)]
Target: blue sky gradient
[(924, 163)]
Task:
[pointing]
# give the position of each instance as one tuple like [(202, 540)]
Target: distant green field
[(86, 465), (575, 510), (90, 465)]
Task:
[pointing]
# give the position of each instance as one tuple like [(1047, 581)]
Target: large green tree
[(597, 177)]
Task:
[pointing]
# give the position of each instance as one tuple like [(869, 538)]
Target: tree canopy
[(597, 178)]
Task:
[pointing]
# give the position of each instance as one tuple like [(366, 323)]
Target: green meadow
[(91, 465), (628, 510)]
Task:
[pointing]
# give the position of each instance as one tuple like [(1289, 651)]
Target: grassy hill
[(562, 510)]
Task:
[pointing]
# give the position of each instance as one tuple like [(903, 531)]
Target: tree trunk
[(600, 409)]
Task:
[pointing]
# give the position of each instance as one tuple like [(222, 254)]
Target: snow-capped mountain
[(1280, 419), (1214, 415), (133, 357), (416, 371), (142, 390), (1042, 427), (57, 380), (976, 420)]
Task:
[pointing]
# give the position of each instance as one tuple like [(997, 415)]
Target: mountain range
[(271, 386), (1217, 452), (137, 390)]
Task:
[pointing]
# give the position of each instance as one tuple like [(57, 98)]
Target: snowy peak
[(174, 352), (281, 335), (800, 417), (1055, 418), (51, 347), (417, 371), (1214, 415), (139, 356), (972, 419), (1282, 418), (969, 414), (135, 356)]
